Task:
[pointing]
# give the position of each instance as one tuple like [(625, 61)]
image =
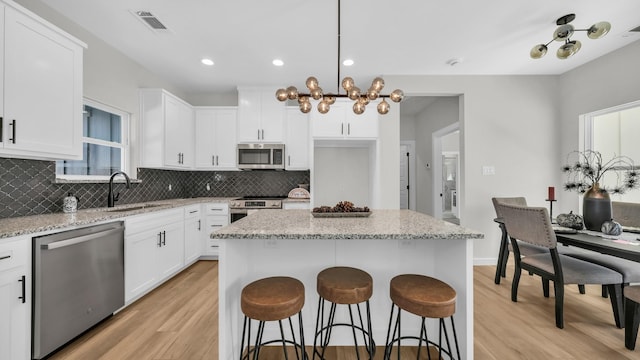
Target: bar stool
[(428, 298), (343, 286), (272, 299)]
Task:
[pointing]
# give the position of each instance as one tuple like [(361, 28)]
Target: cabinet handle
[(5, 257), (342, 129), (199, 224), (258, 134), (213, 160), (349, 129), (1, 133), (24, 290), (262, 134), (13, 131), (164, 238), (289, 160), (193, 211), (178, 158), (159, 239)]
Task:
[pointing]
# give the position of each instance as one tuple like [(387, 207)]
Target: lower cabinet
[(154, 250), (216, 217), (15, 298), (193, 232)]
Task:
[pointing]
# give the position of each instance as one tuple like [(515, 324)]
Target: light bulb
[(292, 92), (538, 51), (396, 95), (383, 107), (377, 84), (316, 93), (323, 107), (347, 83), (354, 93), (281, 94), (358, 108), (312, 83)]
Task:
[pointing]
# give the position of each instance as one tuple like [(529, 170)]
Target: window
[(105, 144)]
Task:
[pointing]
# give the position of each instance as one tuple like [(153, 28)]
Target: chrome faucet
[(111, 198)]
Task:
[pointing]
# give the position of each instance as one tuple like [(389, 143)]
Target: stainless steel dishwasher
[(78, 280)]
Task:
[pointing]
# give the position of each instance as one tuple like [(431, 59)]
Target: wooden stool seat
[(344, 285), (423, 296), (274, 298)]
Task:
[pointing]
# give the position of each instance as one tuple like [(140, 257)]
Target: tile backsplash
[(28, 187)]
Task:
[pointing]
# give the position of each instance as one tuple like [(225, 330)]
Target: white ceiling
[(408, 37)]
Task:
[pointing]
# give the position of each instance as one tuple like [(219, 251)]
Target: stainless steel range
[(244, 206)]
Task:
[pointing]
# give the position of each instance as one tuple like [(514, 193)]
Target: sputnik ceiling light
[(564, 33), (361, 100)]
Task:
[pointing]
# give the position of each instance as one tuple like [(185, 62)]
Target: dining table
[(625, 245)]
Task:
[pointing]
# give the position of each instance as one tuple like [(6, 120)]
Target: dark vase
[(596, 207)]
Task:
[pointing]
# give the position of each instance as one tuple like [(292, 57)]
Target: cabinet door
[(178, 133), (364, 125), (272, 116), (213, 223), (140, 269), (171, 253), (225, 139), (205, 124), (297, 144), (42, 90), (14, 320), (331, 124), (249, 113), (192, 236)]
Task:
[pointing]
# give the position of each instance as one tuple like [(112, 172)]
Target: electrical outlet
[(271, 243), (488, 170)]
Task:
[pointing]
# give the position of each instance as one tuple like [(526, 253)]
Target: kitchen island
[(385, 244)]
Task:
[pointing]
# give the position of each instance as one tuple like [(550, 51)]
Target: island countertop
[(381, 224)]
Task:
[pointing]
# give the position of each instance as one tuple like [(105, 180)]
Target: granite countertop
[(23, 225), (382, 224)]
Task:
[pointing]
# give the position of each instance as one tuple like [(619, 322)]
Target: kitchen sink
[(133, 208)]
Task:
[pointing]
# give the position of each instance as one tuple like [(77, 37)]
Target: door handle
[(5, 257), (79, 239), (13, 131), (24, 290), (159, 239)]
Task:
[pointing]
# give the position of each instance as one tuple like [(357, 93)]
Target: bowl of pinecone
[(341, 209)]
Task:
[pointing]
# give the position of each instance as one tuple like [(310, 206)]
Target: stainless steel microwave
[(261, 156)]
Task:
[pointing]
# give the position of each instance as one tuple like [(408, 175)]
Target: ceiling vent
[(150, 20)]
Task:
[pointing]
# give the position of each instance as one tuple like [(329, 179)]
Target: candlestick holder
[(551, 208)]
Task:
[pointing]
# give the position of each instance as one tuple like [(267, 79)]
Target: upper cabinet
[(41, 92), (342, 123), (260, 116), (297, 144), (166, 130), (215, 137)]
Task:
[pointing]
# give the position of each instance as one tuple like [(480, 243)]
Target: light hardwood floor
[(176, 321)]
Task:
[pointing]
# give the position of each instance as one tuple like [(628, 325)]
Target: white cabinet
[(297, 143), (215, 137), (15, 299), (192, 233), (41, 90), (154, 250), (166, 130), (216, 217), (342, 123), (260, 116)]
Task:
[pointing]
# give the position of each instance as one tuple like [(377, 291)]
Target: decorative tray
[(340, 214)]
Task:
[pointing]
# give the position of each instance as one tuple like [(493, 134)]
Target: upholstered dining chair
[(533, 226), (505, 246)]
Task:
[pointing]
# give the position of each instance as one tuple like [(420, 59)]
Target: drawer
[(217, 209), (214, 223), (192, 211), (14, 253)]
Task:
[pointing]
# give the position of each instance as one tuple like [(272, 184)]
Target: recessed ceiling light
[(207, 61), (347, 62), (277, 62)]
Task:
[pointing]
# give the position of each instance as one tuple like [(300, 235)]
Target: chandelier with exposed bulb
[(361, 99), (564, 32)]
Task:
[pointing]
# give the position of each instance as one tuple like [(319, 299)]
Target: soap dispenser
[(70, 203)]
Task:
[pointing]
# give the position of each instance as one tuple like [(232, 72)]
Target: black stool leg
[(632, 320)]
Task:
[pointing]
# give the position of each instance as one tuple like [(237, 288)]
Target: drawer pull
[(5, 257), (193, 211)]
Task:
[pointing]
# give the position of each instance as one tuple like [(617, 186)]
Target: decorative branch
[(586, 168)]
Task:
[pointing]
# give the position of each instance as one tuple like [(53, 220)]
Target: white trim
[(436, 139)]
